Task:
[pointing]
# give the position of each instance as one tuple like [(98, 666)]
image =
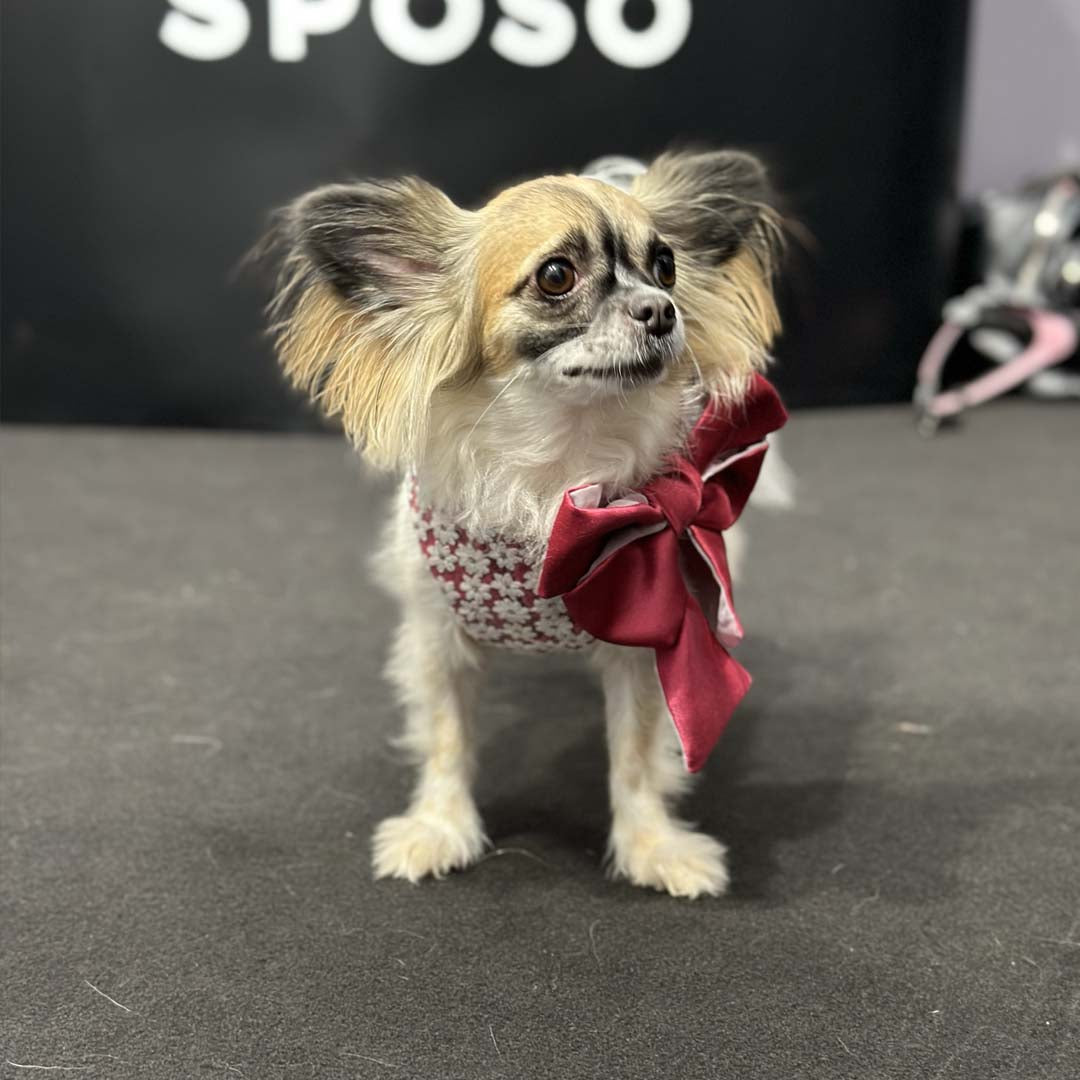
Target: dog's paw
[(674, 860), (423, 844)]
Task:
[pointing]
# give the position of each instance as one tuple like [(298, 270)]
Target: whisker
[(697, 367), (487, 409)]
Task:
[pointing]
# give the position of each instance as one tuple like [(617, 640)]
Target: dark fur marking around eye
[(573, 246), (521, 285), (534, 343), (609, 246), (617, 253), (607, 241), (656, 248)]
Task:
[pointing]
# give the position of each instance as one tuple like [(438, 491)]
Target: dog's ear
[(714, 205), (379, 244), (372, 310), (716, 210)]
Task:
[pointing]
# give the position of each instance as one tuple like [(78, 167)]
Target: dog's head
[(391, 297)]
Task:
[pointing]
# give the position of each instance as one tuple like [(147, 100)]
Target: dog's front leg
[(649, 845), (434, 668)]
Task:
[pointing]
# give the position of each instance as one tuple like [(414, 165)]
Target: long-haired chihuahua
[(569, 332)]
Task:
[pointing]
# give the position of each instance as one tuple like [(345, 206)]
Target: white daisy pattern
[(490, 583), (507, 585)]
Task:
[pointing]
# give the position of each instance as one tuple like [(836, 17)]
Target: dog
[(567, 333)]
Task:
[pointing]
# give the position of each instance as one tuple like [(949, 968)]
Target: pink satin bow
[(651, 569)]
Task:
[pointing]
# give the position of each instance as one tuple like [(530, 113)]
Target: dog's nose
[(656, 313)]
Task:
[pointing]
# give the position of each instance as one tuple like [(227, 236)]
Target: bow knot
[(678, 494), (650, 569)]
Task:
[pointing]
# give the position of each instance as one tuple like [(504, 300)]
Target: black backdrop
[(135, 177)]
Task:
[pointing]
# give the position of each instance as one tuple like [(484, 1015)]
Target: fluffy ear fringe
[(377, 374), (375, 368), (731, 321)]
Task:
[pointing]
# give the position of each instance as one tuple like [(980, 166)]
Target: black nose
[(657, 314)]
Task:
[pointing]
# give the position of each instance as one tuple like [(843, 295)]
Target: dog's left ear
[(716, 210), (713, 205)]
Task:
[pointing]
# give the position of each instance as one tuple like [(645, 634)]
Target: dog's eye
[(556, 277), (664, 269)]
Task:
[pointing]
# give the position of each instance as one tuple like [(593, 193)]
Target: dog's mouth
[(635, 371)]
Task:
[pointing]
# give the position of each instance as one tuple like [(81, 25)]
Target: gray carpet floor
[(195, 751)]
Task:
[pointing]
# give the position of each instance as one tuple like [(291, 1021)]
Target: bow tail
[(702, 684)]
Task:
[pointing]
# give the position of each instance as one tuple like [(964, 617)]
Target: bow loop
[(651, 570)]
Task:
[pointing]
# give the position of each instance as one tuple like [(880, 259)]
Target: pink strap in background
[(1053, 339)]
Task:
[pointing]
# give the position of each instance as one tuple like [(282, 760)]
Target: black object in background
[(135, 176)]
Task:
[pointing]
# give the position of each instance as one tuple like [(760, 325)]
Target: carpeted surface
[(195, 751)]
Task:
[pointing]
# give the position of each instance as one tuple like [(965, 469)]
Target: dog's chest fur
[(481, 508), (503, 465)]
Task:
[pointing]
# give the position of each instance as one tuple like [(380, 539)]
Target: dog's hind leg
[(649, 845)]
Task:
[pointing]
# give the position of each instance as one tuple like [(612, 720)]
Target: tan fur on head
[(391, 298)]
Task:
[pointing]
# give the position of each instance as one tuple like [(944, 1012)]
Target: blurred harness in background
[(1024, 315)]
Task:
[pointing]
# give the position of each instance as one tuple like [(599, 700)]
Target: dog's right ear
[(379, 244), (372, 311)]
